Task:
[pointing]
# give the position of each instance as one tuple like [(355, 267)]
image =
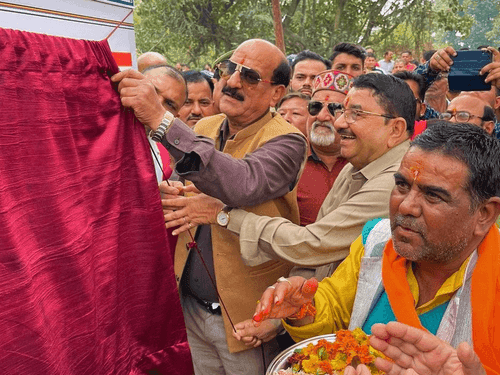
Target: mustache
[(233, 93), (194, 117), (323, 123), (406, 222), (345, 132)]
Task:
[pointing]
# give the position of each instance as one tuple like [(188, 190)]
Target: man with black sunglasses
[(247, 157), (324, 162), (374, 126)]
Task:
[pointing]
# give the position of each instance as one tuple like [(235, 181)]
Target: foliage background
[(198, 31)]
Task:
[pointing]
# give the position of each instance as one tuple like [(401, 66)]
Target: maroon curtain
[(86, 278)]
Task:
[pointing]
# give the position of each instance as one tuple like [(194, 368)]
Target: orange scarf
[(485, 297)]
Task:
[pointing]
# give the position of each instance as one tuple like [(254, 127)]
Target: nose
[(309, 81), (410, 204), (340, 123), (234, 80), (196, 108), (287, 116), (325, 115)]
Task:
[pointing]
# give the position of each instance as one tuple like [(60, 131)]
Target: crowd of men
[(341, 171)]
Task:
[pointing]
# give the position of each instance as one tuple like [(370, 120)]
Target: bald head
[(254, 49), (480, 112), (259, 77), (150, 59)]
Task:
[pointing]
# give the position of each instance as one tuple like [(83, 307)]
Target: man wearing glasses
[(471, 109), (324, 162), (374, 126), (246, 157)]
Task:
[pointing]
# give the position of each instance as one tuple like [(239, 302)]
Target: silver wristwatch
[(223, 216), (160, 132)]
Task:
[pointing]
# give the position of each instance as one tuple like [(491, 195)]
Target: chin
[(405, 249)]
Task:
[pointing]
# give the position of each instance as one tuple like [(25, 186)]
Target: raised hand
[(493, 69), (442, 59), (139, 93), (419, 352), (285, 298)]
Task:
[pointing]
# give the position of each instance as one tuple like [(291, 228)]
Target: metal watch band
[(160, 132)]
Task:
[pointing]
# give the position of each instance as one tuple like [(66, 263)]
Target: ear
[(497, 103), (398, 132), (278, 93), (488, 213), (488, 126), (423, 108)]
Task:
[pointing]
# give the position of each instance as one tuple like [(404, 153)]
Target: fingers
[(128, 73), (175, 204), (310, 287), (264, 306), (442, 59), (470, 361), (191, 189), (171, 189)]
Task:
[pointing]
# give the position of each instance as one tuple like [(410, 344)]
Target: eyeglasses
[(460, 116), (225, 69), (351, 114), (314, 107)]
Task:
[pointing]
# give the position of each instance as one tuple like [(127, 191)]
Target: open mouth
[(343, 136)]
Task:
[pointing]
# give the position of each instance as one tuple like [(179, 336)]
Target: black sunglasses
[(225, 69), (314, 107)]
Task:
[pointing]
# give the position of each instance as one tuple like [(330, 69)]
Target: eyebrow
[(426, 188)]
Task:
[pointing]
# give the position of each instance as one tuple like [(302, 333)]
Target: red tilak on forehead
[(327, 97), (347, 101), (416, 170)]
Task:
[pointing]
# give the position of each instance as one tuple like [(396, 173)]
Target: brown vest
[(240, 286)]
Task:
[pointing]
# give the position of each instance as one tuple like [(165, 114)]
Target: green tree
[(480, 14), (197, 31)]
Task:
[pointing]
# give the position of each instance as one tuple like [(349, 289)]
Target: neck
[(235, 126), (327, 154), (431, 276)]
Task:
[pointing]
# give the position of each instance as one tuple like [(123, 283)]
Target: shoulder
[(279, 124), (209, 122), (375, 235)]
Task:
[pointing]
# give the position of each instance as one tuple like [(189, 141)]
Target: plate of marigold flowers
[(327, 354)]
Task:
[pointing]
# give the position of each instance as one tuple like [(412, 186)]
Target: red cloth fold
[(86, 281)]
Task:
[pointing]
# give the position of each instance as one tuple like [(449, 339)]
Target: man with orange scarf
[(434, 265)]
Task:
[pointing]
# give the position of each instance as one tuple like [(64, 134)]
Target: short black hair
[(291, 95), (282, 73), (309, 55), (350, 49), (412, 76), (428, 54), (472, 146), (393, 94), (193, 76), (489, 114)]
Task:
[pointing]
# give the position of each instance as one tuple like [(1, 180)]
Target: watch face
[(222, 218)]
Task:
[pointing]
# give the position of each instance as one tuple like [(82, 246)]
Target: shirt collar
[(394, 155)]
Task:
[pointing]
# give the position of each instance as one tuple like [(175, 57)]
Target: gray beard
[(320, 139)]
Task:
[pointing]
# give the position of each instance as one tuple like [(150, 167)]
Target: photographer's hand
[(442, 60), (493, 69)]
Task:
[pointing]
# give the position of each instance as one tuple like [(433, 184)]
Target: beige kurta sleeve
[(355, 198)]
